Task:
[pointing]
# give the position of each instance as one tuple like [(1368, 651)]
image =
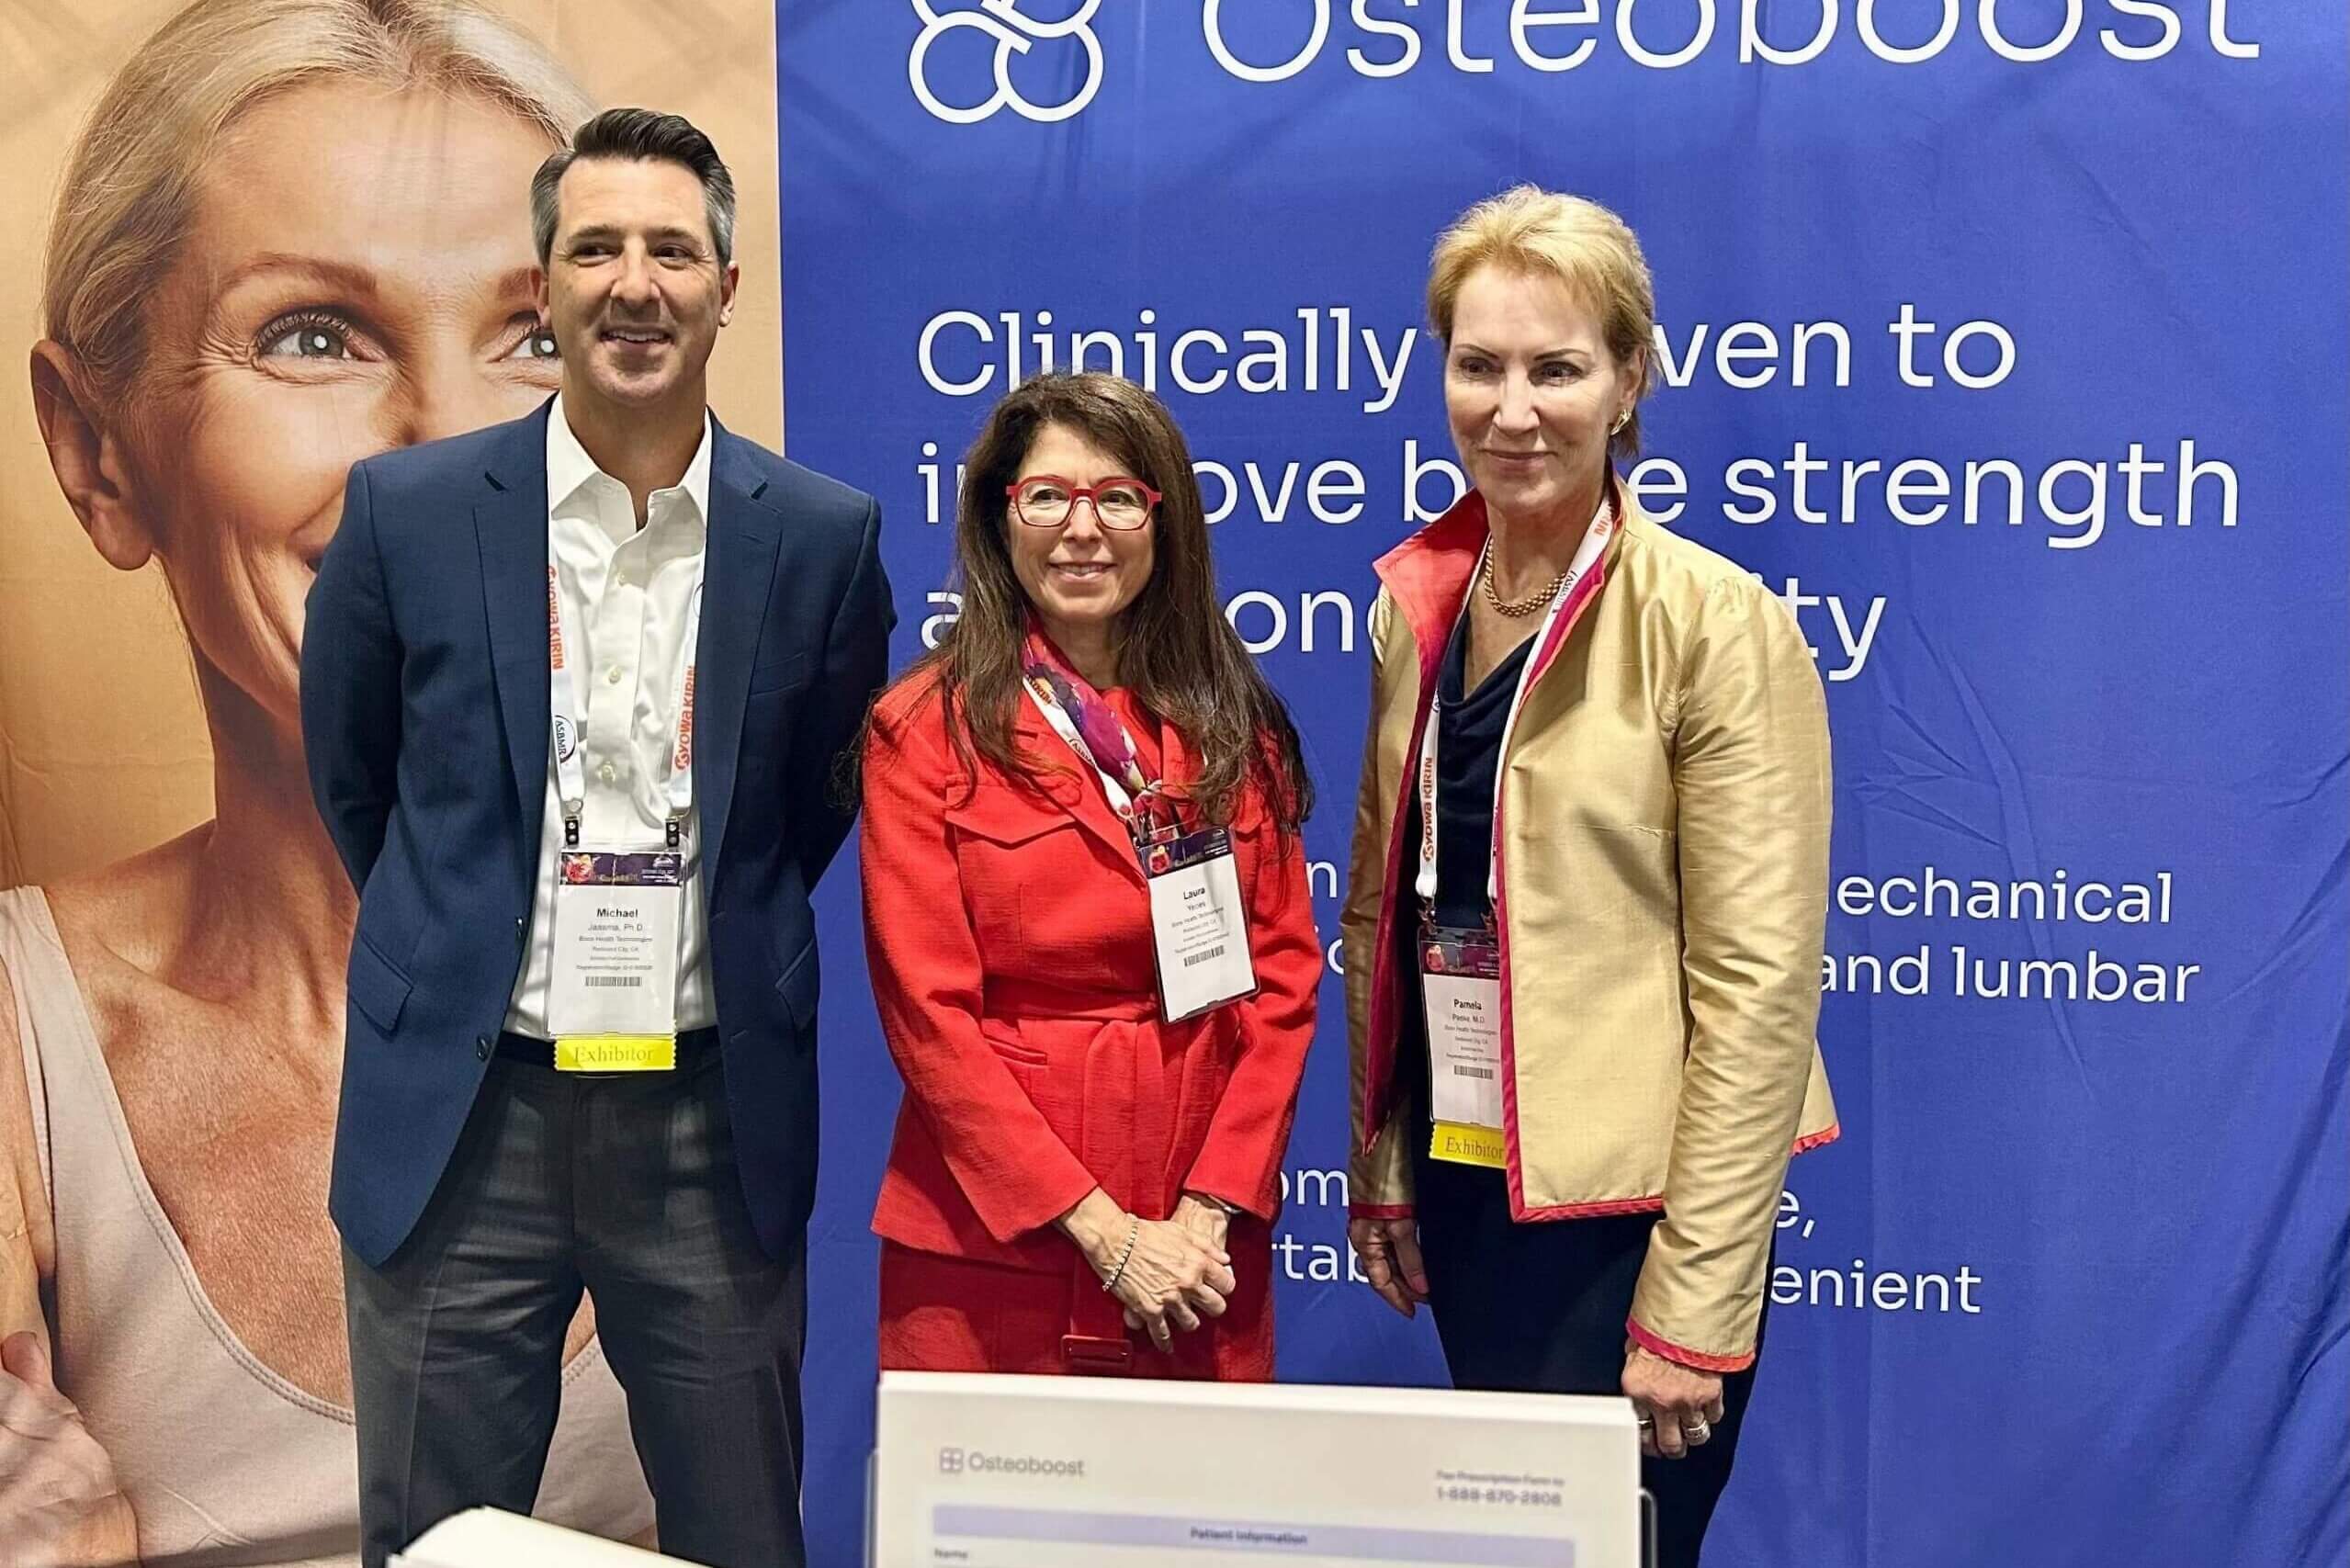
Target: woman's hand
[(1390, 1254), (1206, 1218), (1677, 1406), (59, 1504), (1165, 1280), (1172, 1278)]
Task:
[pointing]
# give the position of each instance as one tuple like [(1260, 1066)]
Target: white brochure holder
[(1055, 1472), (488, 1538)]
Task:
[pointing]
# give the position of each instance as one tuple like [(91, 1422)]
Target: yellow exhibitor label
[(616, 1053), (1466, 1144)]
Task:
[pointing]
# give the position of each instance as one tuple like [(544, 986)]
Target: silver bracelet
[(1134, 1234)]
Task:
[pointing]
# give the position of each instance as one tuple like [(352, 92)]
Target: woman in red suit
[(1088, 923)]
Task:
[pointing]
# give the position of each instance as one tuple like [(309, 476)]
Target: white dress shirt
[(625, 592)]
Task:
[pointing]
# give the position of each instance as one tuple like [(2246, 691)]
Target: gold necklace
[(1517, 607)]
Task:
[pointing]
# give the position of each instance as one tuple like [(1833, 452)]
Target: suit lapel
[(1075, 789), (738, 575), (1428, 576), (510, 530)]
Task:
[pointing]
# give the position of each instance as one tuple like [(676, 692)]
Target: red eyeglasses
[(1048, 501)]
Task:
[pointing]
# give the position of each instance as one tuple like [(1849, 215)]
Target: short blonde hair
[(1528, 229), (129, 188)]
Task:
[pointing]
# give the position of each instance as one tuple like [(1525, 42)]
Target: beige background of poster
[(103, 750)]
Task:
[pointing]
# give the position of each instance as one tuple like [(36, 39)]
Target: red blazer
[(1008, 930)]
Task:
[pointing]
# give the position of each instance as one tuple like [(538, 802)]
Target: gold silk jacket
[(1663, 827)]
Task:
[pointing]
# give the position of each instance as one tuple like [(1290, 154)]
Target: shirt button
[(612, 676), (608, 772), (620, 578)]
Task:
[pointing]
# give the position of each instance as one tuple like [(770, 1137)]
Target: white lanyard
[(1120, 801), (570, 731), (1595, 540)]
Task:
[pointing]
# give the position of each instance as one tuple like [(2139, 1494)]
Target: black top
[(1468, 752)]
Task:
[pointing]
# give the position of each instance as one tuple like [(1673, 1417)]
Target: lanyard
[(570, 728), (1595, 540), (1045, 680)]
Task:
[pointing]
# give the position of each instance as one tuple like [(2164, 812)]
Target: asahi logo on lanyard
[(612, 999), (1198, 920), (1461, 967)]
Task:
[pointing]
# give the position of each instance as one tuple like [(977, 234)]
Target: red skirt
[(952, 1314)]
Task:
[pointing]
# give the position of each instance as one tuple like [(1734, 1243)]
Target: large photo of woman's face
[(350, 281), (277, 236), (104, 745)]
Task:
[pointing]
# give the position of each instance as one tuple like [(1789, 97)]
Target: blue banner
[(2005, 341)]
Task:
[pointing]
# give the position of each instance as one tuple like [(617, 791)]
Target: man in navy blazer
[(481, 1178)]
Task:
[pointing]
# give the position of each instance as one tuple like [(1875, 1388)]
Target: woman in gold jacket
[(1577, 1164)]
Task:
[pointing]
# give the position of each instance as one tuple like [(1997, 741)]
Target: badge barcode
[(1460, 1072), (628, 982), (1215, 952)]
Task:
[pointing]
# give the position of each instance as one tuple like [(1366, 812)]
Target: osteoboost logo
[(1015, 34), (1662, 38)]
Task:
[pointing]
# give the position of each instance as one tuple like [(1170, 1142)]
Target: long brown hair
[(1175, 648)]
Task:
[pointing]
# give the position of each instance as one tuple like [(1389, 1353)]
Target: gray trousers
[(625, 1186)]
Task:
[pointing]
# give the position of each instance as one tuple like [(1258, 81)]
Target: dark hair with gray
[(633, 135)]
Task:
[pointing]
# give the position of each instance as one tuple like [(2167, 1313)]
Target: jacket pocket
[(376, 986), (797, 987), (1003, 844), (1004, 1041), (1001, 817), (781, 674)]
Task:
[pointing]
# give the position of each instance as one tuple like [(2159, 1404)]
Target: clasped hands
[(1168, 1275)]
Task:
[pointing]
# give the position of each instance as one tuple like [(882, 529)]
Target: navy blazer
[(425, 718)]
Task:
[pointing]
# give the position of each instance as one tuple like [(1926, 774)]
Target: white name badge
[(1460, 992), (613, 1002), (1198, 924)]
